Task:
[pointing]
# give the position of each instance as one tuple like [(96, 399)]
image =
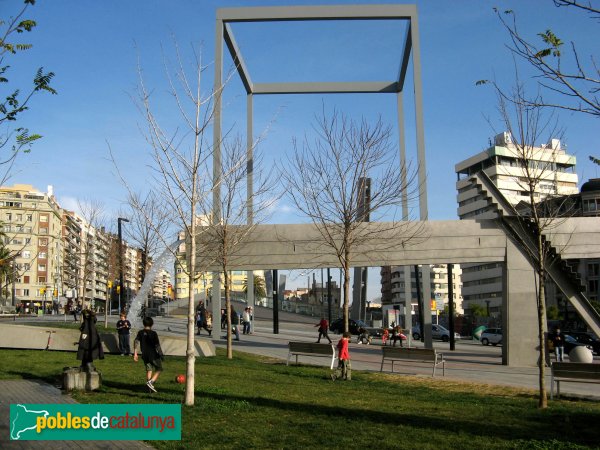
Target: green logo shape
[(102, 422)]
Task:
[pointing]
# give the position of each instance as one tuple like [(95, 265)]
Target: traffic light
[(109, 284), (43, 291), (118, 289), (55, 293)]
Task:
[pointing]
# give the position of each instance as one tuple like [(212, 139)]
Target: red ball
[(180, 379)]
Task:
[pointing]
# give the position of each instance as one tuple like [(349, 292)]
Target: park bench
[(573, 373), (392, 354), (311, 349)]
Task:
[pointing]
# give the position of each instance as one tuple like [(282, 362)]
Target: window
[(26, 279), (26, 266), (27, 241), (41, 267), (29, 217), (43, 230), (8, 217), (43, 242), (26, 292), (26, 254), (594, 269), (43, 218), (19, 217), (42, 255)]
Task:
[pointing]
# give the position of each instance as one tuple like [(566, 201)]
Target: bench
[(311, 349), (573, 373), (393, 354)]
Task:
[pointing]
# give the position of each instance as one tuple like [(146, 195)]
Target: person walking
[(123, 328), (343, 370), (235, 323), (201, 319), (558, 340), (149, 344), (323, 326)]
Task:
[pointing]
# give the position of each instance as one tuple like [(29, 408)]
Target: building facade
[(483, 284)]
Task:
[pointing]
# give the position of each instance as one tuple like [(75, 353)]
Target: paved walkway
[(32, 392)]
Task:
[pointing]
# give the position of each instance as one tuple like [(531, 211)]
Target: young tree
[(527, 125), (148, 221), (179, 149), (16, 140), (326, 180), (226, 232)]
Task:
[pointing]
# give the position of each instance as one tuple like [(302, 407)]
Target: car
[(337, 326), (437, 332), (491, 336), (586, 338)]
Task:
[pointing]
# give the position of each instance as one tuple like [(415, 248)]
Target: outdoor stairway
[(522, 230)]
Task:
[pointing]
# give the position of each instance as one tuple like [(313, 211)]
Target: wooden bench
[(573, 373), (393, 354), (311, 349)]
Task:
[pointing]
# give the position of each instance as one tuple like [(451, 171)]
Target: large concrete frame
[(411, 45)]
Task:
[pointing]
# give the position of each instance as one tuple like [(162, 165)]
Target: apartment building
[(31, 224), (482, 284), (393, 287)]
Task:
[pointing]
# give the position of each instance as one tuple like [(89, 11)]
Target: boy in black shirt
[(152, 355)]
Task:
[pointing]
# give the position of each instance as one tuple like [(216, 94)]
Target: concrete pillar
[(519, 315)]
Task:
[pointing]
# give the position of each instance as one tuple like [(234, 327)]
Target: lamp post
[(121, 284)]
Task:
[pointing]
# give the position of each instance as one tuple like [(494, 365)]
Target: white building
[(482, 284)]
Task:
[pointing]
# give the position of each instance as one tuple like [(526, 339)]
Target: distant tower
[(359, 289)]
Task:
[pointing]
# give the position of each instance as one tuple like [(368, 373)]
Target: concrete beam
[(424, 242)]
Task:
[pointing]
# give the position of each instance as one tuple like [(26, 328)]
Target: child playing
[(152, 355), (343, 369), (385, 336)]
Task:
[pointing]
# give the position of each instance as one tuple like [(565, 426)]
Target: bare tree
[(231, 227), (149, 220), (326, 179), (527, 125), (179, 149), (576, 80)]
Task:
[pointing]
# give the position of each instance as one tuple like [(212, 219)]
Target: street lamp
[(121, 284)]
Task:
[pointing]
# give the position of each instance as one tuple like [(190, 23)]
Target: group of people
[(146, 342), (203, 319)]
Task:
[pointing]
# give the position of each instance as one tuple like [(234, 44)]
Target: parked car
[(491, 336), (437, 332), (586, 338), (337, 326)]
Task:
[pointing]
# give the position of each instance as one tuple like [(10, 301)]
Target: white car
[(437, 332), (491, 336)]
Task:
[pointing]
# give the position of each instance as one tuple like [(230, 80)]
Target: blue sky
[(93, 49)]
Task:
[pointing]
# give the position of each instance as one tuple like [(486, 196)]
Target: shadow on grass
[(536, 425)]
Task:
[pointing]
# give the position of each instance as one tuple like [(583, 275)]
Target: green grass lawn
[(254, 402)]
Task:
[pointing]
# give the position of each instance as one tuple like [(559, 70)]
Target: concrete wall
[(32, 337)]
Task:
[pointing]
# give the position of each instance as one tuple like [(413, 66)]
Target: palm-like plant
[(260, 290)]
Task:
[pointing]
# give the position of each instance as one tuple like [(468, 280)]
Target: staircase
[(522, 230)]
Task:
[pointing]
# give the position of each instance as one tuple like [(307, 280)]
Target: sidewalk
[(33, 392)]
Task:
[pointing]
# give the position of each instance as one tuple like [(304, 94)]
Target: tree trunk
[(190, 351), (541, 304), (346, 294), (228, 309)]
